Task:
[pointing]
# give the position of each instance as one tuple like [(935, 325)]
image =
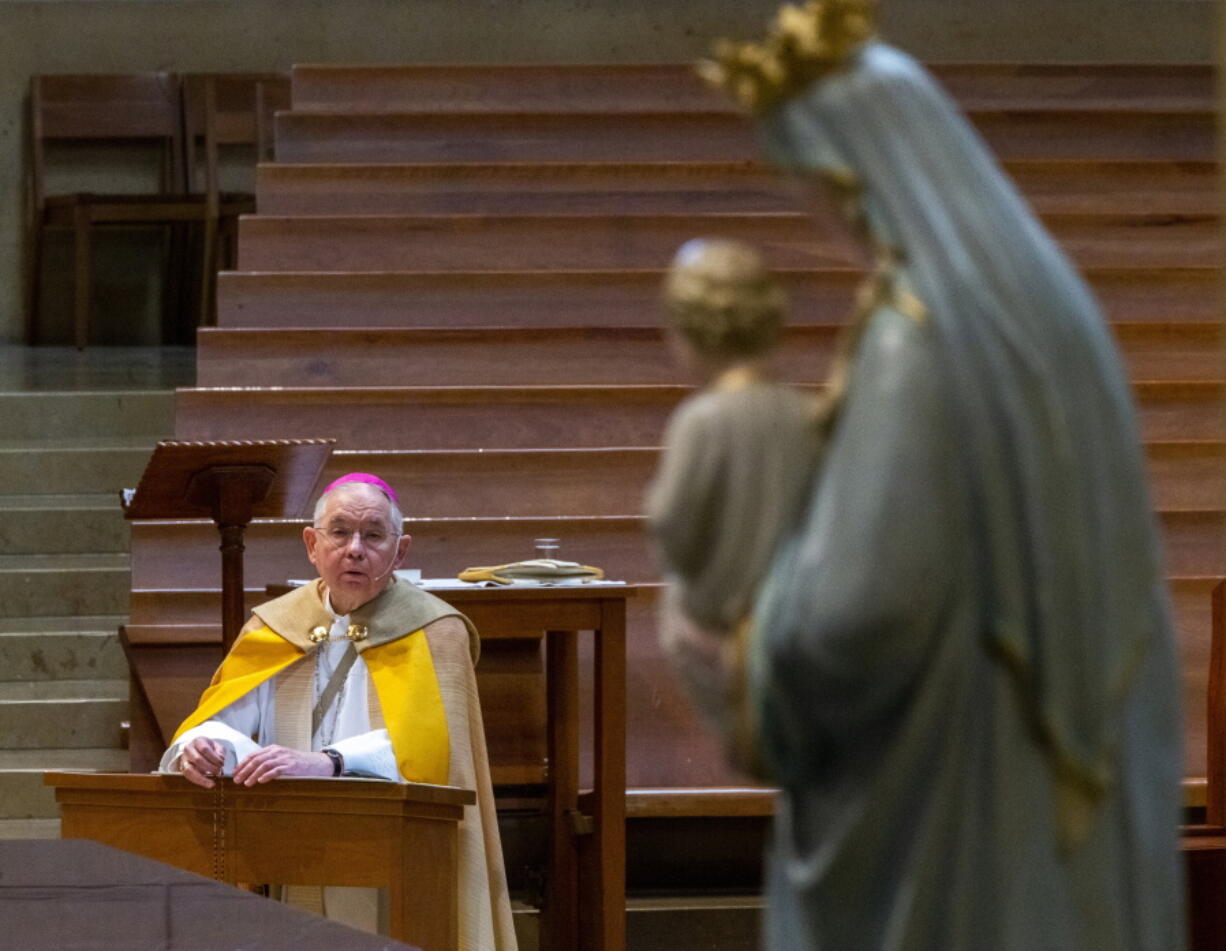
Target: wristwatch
[(338, 761)]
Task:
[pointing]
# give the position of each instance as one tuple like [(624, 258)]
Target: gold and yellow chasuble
[(394, 648)]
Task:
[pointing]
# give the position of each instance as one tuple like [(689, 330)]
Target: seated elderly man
[(358, 673)]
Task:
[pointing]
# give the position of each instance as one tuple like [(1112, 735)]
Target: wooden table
[(558, 614), (294, 831)]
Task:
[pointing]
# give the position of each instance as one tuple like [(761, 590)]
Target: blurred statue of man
[(738, 460)]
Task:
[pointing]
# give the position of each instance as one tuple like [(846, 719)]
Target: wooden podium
[(232, 483), (293, 832), (585, 900)]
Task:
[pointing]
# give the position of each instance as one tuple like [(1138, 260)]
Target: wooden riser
[(612, 298), (1185, 475), (518, 137), (473, 357), (184, 554), (484, 88), (543, 417), (582, 87), (509, 356), (1091, 187), (553, 482), (434, 418), (519, 243), (702, 136), (480, 299), (582, 242), (550, 187)]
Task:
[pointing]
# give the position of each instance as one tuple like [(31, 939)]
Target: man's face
[(354, 545)]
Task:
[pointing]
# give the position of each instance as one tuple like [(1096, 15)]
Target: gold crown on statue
[(804, 43)]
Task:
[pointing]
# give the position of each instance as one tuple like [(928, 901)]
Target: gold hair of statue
[(721, 298), (804, 43)]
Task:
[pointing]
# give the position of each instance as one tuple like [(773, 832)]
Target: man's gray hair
[(394, 513)]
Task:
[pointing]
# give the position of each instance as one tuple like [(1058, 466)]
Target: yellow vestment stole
[(400, 667)]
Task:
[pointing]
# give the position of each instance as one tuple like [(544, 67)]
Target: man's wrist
[(337, 760)]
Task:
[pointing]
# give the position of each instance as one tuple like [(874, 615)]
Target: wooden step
[(511, 356), (528, 298), (490, 356), (551, 187), (704, 136), (1099, 187), (609, 298), (545, 482), (583, 242), (437, 417), (542, 416), (1171, 86), (1172, 351), (183, 554), (1187, 475), (612, 481), (518, 242), (513, 137), (1111, 186), (674, 85), (503, 87)]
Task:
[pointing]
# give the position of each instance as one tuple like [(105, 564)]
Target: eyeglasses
[(337, 537)]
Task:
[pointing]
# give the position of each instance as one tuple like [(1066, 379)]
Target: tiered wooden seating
[(480, 330)]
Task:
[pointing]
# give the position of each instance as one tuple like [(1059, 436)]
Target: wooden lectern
[(232, 483), (294, 832)]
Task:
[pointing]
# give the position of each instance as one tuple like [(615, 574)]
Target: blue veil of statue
[(1051, 449)]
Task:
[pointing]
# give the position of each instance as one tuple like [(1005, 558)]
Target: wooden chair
[(230, 111), (115, 112)]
